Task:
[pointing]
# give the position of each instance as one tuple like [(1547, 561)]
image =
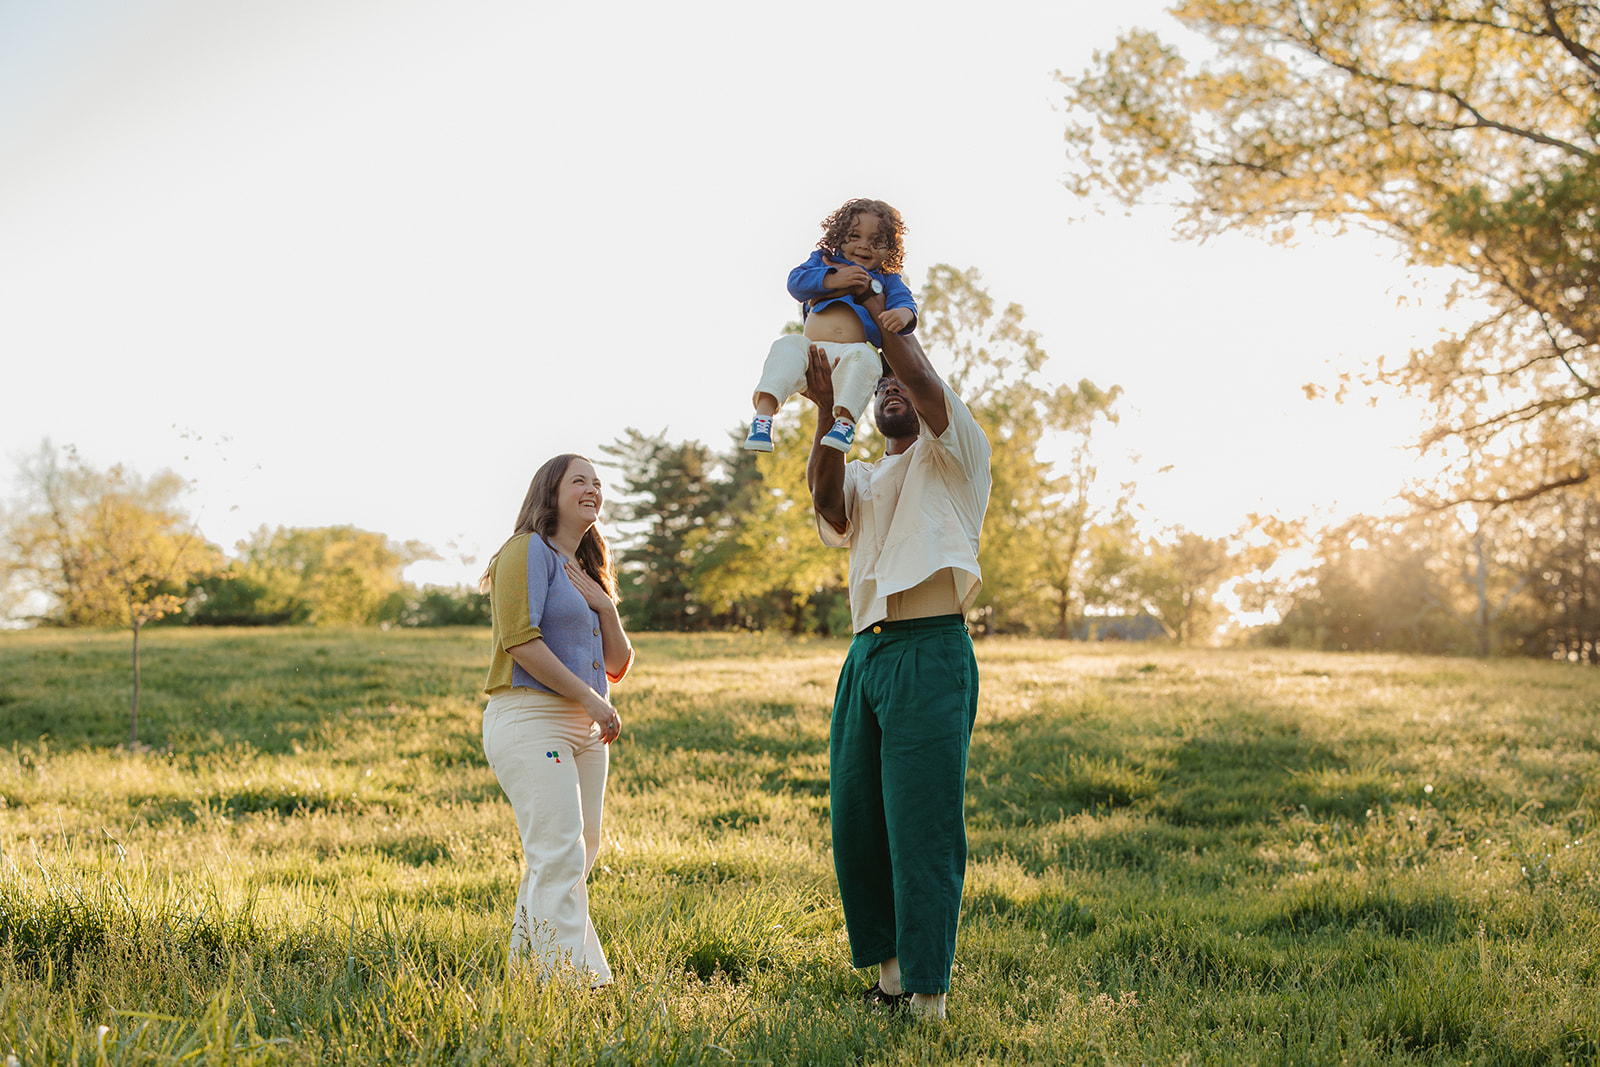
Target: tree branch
[(1579, 52), (1481, 121), (1504, 499), (1514, 417)]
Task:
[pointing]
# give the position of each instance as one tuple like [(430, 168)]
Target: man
[(908, 691)]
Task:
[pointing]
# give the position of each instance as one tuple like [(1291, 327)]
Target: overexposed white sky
[(372, 261)]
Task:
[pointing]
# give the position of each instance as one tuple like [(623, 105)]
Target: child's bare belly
[(835, 323)]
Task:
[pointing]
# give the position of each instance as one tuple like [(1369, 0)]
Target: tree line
[(712, 538), (88, 547), (706, 539), (1464, 131), (1470, 580)]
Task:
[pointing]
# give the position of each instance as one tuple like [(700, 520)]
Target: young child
[(860, 253)]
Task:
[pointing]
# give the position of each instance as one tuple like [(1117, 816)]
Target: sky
[(373, 261)]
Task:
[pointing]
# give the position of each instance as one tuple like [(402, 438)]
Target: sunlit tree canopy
[(1466, 131)]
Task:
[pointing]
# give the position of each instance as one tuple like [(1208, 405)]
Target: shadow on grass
[(1055, 914), (1398, 910), (1235, 766), (1184, 951), (205, 690), (157, 807)]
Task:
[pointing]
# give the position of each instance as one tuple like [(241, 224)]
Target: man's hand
[(819, 380), (848, 277), (895, 319)]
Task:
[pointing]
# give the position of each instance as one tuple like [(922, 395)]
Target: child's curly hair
[(836, 228)]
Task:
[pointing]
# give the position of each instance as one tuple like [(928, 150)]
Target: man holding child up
[(908, 692)]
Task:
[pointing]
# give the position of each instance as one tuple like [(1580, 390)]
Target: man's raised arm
[(909, 363)]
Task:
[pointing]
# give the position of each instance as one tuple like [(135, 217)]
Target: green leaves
[(1464, 131), (326, 575), (1034, 550), (104, 548)]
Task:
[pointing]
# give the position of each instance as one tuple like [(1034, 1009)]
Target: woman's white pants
[(550, 761)]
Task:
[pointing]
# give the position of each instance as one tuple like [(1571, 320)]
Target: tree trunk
[(133, 719), (1587, 650), (1482, 583)]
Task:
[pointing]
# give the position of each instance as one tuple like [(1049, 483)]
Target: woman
[(558, 642)]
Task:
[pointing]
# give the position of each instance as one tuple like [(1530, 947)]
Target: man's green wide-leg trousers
[(902, 721)]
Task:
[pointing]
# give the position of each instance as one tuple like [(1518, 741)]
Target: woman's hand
[(541, 663), (616, 650), (604, 715), (587, 587)]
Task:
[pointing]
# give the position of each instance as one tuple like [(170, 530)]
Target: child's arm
[(896, 320), (821, 278), (901, 316)]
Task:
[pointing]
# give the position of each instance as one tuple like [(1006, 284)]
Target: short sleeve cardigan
[(531, 597)]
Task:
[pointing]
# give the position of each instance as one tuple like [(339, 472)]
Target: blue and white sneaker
[(760, 439), (842, 436)]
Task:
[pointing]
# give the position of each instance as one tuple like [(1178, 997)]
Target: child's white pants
[(856, 370), (550, 761)]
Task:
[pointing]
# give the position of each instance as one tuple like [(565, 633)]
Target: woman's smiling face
[(578, 498)]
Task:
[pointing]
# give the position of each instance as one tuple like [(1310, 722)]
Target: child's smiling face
[(862, 246)]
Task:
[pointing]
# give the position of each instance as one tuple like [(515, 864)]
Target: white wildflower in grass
[(1428, 788)]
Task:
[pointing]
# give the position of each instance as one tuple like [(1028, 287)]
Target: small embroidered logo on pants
[(552, 754)]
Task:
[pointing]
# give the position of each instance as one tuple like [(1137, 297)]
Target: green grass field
[(1176, 857)]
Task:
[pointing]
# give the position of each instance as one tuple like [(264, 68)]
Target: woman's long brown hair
[(538, 516)]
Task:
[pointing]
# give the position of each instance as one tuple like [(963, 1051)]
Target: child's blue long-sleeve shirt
[(805, 285)]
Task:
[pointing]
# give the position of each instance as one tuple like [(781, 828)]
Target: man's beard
[(902, 423)]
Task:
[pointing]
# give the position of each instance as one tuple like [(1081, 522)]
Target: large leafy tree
[(763, 553), (317, 575), (1034, 550), (667, 493), (1177, 579), (1467, 131), (103, 548), (1389, 585)]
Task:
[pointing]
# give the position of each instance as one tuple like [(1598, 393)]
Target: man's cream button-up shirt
[(911, 515)]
